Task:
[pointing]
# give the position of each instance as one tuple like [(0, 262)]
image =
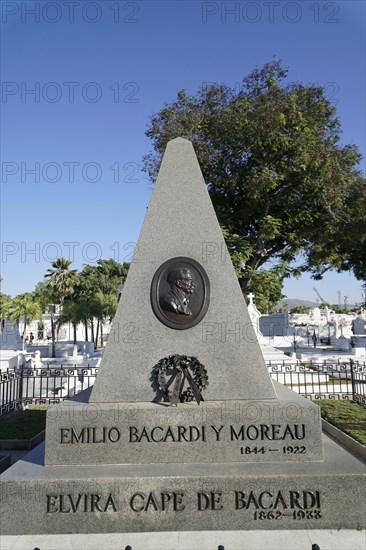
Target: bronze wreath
[(180, 363)]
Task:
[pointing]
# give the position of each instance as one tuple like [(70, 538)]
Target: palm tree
[(24, 306), (99, 291), (4, 306), (61, 283), (105, 306), (110, 305), (61, 279), (73, 313), (5, 302)]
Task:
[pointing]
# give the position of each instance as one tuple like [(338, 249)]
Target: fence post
[(20, 393), (353, 380)]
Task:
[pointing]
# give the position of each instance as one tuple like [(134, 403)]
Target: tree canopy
[(61, 280), (96, 295), (24, 306), (85, 296), (285, 191), (104, 277)]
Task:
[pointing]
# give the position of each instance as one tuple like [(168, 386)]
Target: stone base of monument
[(286, 429), (218, 466), (178, 497)]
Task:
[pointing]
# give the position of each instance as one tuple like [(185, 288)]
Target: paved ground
[(15, 455), (203, 540)]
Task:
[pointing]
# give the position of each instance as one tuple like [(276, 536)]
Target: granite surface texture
[(287, 429), (181, 221), (159, 497)]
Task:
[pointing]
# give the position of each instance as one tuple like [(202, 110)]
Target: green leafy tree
[(61, 283), (72, 312), (104, 308), (61, 279), (283, 187), (5, 301), (268, 285), (338, 309), (88, 287), (48, 299), (344, 245), (99, 290), (24, 307), (300, 309)]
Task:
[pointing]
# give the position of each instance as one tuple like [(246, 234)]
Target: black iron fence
[(328, 379), (42, 386), (50, 385)]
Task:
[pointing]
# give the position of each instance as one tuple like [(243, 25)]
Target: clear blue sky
[(99, 70)]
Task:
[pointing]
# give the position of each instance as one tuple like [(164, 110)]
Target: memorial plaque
[(180, 293)]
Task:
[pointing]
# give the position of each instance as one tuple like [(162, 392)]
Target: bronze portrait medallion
[(180, 293)]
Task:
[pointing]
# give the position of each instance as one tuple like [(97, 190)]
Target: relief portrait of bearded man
[(181, 288)]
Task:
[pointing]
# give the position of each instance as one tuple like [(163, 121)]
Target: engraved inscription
[(266, 500), (174, 434), (263, 505), (289, 449), (90, 435), (190, 434), (142, 502), (209, 501), (272, 432), (88, 502)]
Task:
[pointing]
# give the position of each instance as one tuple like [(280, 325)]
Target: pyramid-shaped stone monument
[(184, 429), (181, 222)]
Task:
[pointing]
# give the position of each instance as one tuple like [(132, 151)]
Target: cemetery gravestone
[(359, 336), (254, 315), (359, 326), (316, 314), (10, 338), (184, 429), (275, 324)]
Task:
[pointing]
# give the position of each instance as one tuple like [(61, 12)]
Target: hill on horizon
[(292, 302)]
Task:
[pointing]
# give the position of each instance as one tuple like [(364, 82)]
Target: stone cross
[(251, 296)]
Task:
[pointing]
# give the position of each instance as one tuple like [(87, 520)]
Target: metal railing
[(336, 380), (51, 385), (42, 386)]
